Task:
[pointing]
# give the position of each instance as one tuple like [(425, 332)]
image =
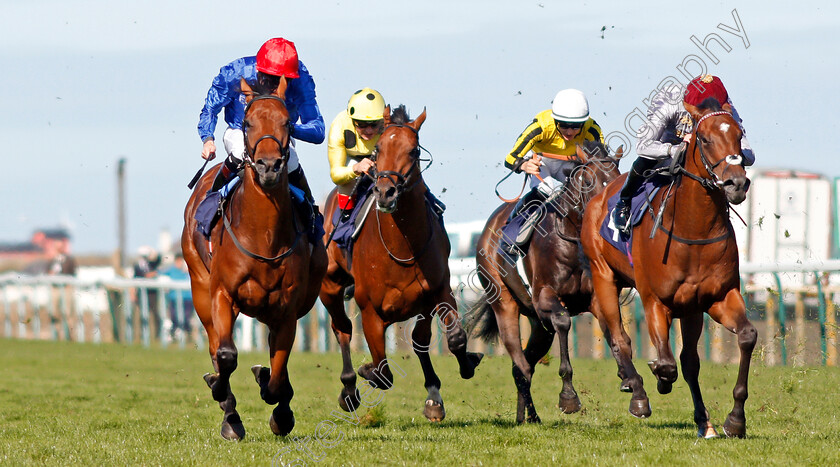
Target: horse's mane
[(711, 104), (399, 116), (595, 149)]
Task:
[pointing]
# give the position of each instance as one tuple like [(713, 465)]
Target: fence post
[(639, 315), (831, 332), (821, 317), (782, 318)]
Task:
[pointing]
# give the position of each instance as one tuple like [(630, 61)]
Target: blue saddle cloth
[(638, 206), (344, 230)]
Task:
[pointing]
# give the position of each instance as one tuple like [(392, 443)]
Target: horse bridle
[(580, 206), (731, 159), (249, 152), (398, 179), (285, 151)]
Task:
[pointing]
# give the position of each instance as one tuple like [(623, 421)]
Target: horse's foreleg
[(606, 310), (561, 321), (692, 327), (731, 313), (421, 336), (378, 371), (225, 360), (456, 338), (658, 318)]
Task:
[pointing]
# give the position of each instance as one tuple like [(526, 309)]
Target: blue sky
[(86, 83)]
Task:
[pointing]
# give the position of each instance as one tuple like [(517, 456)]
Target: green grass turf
[(65, 403)]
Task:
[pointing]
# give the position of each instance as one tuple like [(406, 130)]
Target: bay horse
[(259, 264), (553, 266), (682, 267), (400, 267)]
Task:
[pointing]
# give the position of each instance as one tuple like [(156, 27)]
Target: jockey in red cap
[(666, 134), (276, 59)]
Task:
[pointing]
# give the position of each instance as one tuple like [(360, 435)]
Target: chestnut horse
[(400, 266), (559, 287), (259, 263), (688, 267)]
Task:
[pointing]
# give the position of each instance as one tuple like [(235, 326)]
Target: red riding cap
[(704, 87), (278, 57)]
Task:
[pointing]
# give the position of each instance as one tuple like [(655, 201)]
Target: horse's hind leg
[(420, 339), (342, 327), (606, 310), (731, 313), (692, 327), (456, 338), (508, 319)]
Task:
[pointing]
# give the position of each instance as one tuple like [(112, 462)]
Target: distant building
[(47, 252)]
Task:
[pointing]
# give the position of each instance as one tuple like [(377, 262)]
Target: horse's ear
[(418, 122), (692, 110), (246, 90), (281, 88), (581, 153), (619, 153), (727, 107), (386, 115)]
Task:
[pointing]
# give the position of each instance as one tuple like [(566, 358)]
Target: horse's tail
[(480, 320)]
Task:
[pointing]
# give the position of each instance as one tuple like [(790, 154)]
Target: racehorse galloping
[(560, 289), (689, 267), (400, 266), (260, 263)]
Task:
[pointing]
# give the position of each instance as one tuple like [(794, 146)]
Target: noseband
[(285, 152), (399, 179)]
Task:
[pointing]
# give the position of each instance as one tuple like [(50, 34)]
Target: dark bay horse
[(400, 266), (559, 287), (259, 263), (689, 267)]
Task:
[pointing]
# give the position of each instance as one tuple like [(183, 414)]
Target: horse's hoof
[(707, 431), (569, 405), (284, 426), (261, 374), (640, 408), (210, 379), (434, 411), (472, 361), (347, 402), (233, 429), (625, 386), (733, 428), (664, 387)]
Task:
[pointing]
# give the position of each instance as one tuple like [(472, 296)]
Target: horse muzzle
[(269, 171), (386, 197), (736, 189)]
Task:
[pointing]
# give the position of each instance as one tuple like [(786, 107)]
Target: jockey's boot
[(315, 229), (634, 180), (530, 198), (437, 205), (229, 169)]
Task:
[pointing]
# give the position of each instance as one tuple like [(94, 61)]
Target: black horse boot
[(634, 180)]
